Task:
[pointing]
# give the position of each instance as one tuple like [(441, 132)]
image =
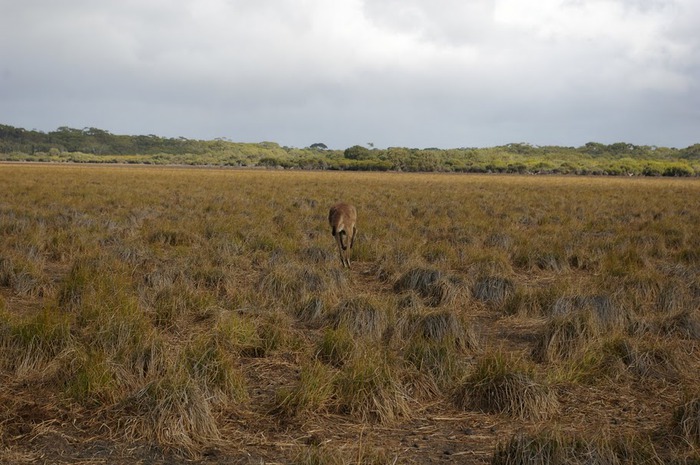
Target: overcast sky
[(410, 73)]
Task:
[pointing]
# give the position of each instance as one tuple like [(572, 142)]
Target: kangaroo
[(342, 218)]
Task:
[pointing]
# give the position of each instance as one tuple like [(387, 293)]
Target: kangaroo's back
[(342, 218)]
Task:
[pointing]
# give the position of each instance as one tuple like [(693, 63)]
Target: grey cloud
[(450, 21), (417, 73)]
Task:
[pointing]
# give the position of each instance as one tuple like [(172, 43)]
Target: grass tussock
[(290, 283), (314, 391), (556, 448), (687, 420), (440, 363), (620, 356), (499, 384), (312, 310), (566, 336), (325, 454), (336, 347), (217, 369), (29, 344), (440, 326), (684, 324), (25, 274), (173, 411), (431, 284), (530, 302), (493, 290), (369, 388), (609, 314), (362, 316)]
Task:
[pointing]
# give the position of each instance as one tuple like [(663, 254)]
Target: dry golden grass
[(164, 314)]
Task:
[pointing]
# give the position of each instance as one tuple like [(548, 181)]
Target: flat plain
[(173, 315)]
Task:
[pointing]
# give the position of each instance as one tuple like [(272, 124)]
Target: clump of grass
[(642, 288), (687, 420), (552, 260), (215, 368), (174, 304), (281, 282), (7, 271), (118, 347), (602, 307), (317, 255), (530, 302), (273, 333), (410, 301), (566, 335), (444, 326), (336, 347), (172, 411), (499, 240), (311, 310), (555, 448), (361, 454), (641, 359), (623, 261), (431, 284), (313, 393), (685, 324), (88, 377), (493, 290), (28, 345), (319, 455), (290, 283), (212, 278), (25, 275), (362, 316), (677, 297), (172, 237), (499, 384), (369, 387), (535, 257), (162, 277), (439, 252), (441, 361), (237, 333)]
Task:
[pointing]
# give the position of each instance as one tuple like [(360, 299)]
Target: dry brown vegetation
[(168, 314)]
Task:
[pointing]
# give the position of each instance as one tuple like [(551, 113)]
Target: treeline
[(91, 145)]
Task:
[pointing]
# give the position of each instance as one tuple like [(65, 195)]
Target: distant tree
[(319, 146), (692, 152), (593, 148), (520, 148), (357, 152)]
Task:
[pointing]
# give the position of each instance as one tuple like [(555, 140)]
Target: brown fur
[(342, 218)]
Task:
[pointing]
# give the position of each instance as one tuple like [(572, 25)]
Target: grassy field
[(169, 314)]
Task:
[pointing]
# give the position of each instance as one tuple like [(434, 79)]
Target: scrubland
[(169, 315)]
